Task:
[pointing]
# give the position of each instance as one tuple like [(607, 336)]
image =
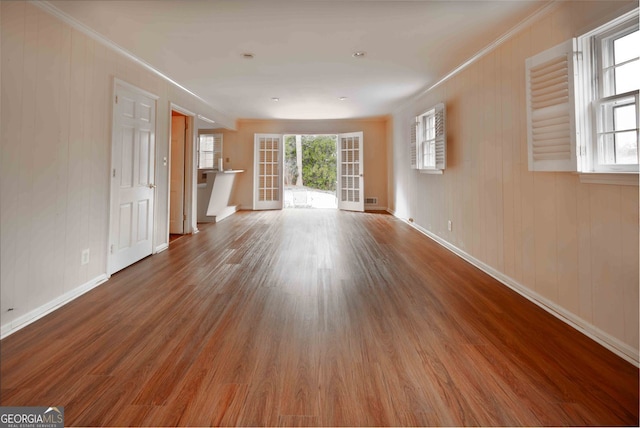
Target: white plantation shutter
[(413, 147), (551, 109), (441, 137)]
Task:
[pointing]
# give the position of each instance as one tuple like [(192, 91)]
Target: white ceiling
[(303, 48)]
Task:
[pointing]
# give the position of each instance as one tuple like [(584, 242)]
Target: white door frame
[(127, 86), (177, 173), (267, 205), (190, 179), (356, 175)]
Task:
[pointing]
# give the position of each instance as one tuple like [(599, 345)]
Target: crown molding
[(543, 10), (88, 31)]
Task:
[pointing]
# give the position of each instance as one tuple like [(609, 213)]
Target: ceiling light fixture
[(358, 54), (342, 98), (275, 99), (247, 55)]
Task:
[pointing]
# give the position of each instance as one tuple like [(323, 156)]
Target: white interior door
[(176, 214), (350, 172), (132, 178), (267, 172)]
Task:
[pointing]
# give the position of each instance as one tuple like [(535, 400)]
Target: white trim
[(160, 248), (34, 315), (74, 23), (206, 119), (493, 45), (181, 110), (612, 19), (605, 339), (620, 179), (190, 196), (134, 88), (68, 19), (225, 212)]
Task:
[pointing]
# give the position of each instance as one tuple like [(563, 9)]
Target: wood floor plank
[(132, 416), (312, 318), (298, 421)]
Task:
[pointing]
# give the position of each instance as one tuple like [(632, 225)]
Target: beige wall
[(238, 147), (573, 244), (56, 103)]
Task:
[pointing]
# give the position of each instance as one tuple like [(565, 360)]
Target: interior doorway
[(177, 215), (182, 174), (310, 171)]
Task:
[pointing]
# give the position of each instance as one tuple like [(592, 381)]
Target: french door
[(132, 177), (267, 172), (268, 166), (350, 172)]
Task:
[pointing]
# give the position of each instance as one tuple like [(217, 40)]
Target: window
[(209, 151), (617, 74), (427, 126), (428, 142), (582, 101)]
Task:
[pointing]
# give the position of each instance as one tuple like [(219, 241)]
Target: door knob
[(152, 186)]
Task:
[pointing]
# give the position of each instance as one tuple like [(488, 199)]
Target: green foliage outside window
[(319, 167), (290, 166)]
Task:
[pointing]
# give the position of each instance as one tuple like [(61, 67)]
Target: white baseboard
[(160, 248), (34, 315), (226, 212), (603, 338)]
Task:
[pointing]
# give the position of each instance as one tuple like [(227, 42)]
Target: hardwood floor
[(303, 317), (174, 236)]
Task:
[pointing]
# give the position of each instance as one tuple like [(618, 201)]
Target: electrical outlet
[(449, 225), (84, 257)]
